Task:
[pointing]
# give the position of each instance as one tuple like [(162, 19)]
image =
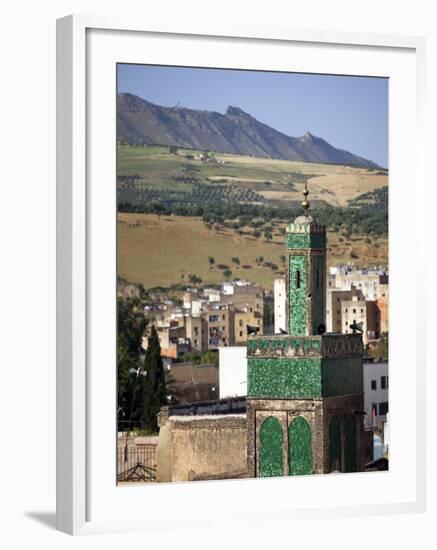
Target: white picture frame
[(76, 240)]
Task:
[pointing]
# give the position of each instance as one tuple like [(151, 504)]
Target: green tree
[(131, 325), (210, 357), (236, 260), (194, 279), (227, 273), (211, 261), (153, 390), (380, 350)]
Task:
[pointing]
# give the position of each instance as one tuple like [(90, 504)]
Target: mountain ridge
[(142, 122)]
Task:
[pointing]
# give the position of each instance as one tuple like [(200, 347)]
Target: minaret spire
[(305, 203)]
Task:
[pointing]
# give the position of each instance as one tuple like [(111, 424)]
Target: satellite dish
[(321, 329)]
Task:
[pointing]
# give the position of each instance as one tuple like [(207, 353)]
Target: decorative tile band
[(305, 240), (284, 346), (313, 227), (327, 345)]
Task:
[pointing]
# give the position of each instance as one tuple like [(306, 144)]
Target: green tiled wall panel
[(297, 319), (350, 451), (270, 453), (317, 294), (284, 378), (334, 444), (300, 456), (305, 240), (341, 376)]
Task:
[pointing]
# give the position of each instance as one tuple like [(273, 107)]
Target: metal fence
[(137, 463)]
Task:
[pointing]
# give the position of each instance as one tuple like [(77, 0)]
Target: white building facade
[(376, 384), (279, 304), (233, 371)]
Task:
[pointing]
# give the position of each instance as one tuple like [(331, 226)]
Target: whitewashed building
[(279, 304), (375, 378), (233, 371)]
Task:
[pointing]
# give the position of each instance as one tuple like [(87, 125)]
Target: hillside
[(149, 173), (237, 132), (165, 250)]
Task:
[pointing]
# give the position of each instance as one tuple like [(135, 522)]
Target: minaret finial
[(305, 203)]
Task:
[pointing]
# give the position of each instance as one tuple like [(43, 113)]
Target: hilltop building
[(305, 388)]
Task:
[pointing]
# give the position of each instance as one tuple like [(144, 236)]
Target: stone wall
[(192, 447)]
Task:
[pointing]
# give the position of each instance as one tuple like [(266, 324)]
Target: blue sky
[(349, 112)]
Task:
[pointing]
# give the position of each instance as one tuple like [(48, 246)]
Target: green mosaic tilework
[(270, 453), (297, 319), (298, 240), (300, 456), (342, 376), (318, 317), (350, 451), (283, 378), (305, 240), (334, 445), (265, 345)]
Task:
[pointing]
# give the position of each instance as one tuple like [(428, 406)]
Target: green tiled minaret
[(305, 387), (306, 275)]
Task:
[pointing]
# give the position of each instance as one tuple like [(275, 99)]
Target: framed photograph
[(238, 213)]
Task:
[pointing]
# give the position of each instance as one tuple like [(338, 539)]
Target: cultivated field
[(161, 251), (154, 172)]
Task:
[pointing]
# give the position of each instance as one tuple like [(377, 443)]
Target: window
[(241, 322), (298, 278), (373, 385), (383, 408), (241, 333), (354, 310), (383, 382), (317, 279)]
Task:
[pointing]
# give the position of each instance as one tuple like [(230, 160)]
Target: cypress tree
[(154, 394)]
